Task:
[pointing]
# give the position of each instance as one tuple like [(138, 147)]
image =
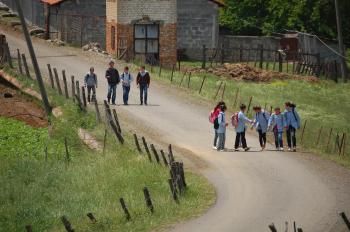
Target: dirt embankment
[(16, 105), (247, 73)]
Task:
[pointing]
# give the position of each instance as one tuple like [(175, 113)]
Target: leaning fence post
[(91, 217), (137, 143), (160, 70), (236, 98), (250, 102), (302, 133), (104, 142), (189, 80), (223, 92), (73, 88), (146, 148), (67, 224), (204, 57), (329, 138), (57, 81), (272, 228), (171, 155), (66, 146), (217, 91), (98, 115), (280, 61), (148, 199), (155, 153), (65, 83), (261, 56), (51, 77), (319, 136), (200, 89), (8, 54), (19, 62), (77, 90), (341, 144), (172, 73), (173, 190), (346, 220), (164, 158), (125, 209), (116, 120), (25, 64)]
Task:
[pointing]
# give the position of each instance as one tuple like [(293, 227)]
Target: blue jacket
[(261, 121), (242, 120), (278, 121), (222, 123), (292, 118), (90, 79)]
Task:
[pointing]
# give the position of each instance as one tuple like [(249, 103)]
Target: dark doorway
[(146, 42)]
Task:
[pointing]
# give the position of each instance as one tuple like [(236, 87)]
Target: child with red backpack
[(239, 121), (213, 118)]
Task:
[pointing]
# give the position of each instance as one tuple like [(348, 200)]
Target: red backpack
[(234, 120), (213, 115)]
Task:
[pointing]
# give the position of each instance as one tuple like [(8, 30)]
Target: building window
[(113, 37), (146, 39)]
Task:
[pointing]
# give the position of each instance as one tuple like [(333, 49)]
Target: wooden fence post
[(164, 158), (236, 98), (250, 102), (25, 64), (19, 62), (217, 91), (160, 70), (104, 141), (346, 220), (117, 120), (222, 54), (98, 115), (65, 84), (57, 81), (172, 73), (8, 54), (67, 224), (280, 62), (329, 138), (73, 88), (173, 190), (202, 84), (223, 92), (91, 217), (272, 228), (83, 95), (204, 57), (146, 149), (125, 209), (171, 155), (148, 199), (155, 153), (240, 53), (183, 77), (261, 56), (341, 144), (319, 136), (51, 77), (77, 90), (137, 143), (189, 80), (303, 131), (66, 146)]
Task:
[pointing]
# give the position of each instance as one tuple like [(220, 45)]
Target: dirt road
[(254, 189)]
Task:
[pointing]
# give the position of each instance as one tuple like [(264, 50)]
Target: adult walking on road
[(292, 120), (91, 84), (143, 82), (112, 76), (126, 79)]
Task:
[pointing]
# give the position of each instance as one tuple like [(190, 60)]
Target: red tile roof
[(52, 2)]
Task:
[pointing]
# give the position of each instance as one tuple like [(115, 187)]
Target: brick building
[(154, 30)]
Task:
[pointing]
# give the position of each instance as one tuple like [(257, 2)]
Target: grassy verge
[(324, 105), (38, 189)]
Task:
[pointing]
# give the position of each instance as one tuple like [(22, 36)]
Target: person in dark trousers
[(241, 128), (143, 82), (214, 114), (292, 120), (126, 79), (277, 122), (221, 131), (90, 81), (112, 76), (261, 123)]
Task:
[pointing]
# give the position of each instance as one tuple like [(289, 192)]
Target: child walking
[(222, 128), (292, 124), (214, 114), (277, 122), (261, 122), (126, 79), (239, 121)]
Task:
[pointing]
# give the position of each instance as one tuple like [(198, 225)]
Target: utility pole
[(344, 70), (44, 97)]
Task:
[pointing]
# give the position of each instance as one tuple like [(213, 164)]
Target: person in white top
[(126, 79)]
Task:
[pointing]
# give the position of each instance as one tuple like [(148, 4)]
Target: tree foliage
[(264, 17)]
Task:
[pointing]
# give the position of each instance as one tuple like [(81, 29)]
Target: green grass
[(324, 104), (38, 190)]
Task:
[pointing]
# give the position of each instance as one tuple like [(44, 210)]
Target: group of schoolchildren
[(263, 122), (114, 79)]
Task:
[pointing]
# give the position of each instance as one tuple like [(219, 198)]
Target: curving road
[(253, 188)]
